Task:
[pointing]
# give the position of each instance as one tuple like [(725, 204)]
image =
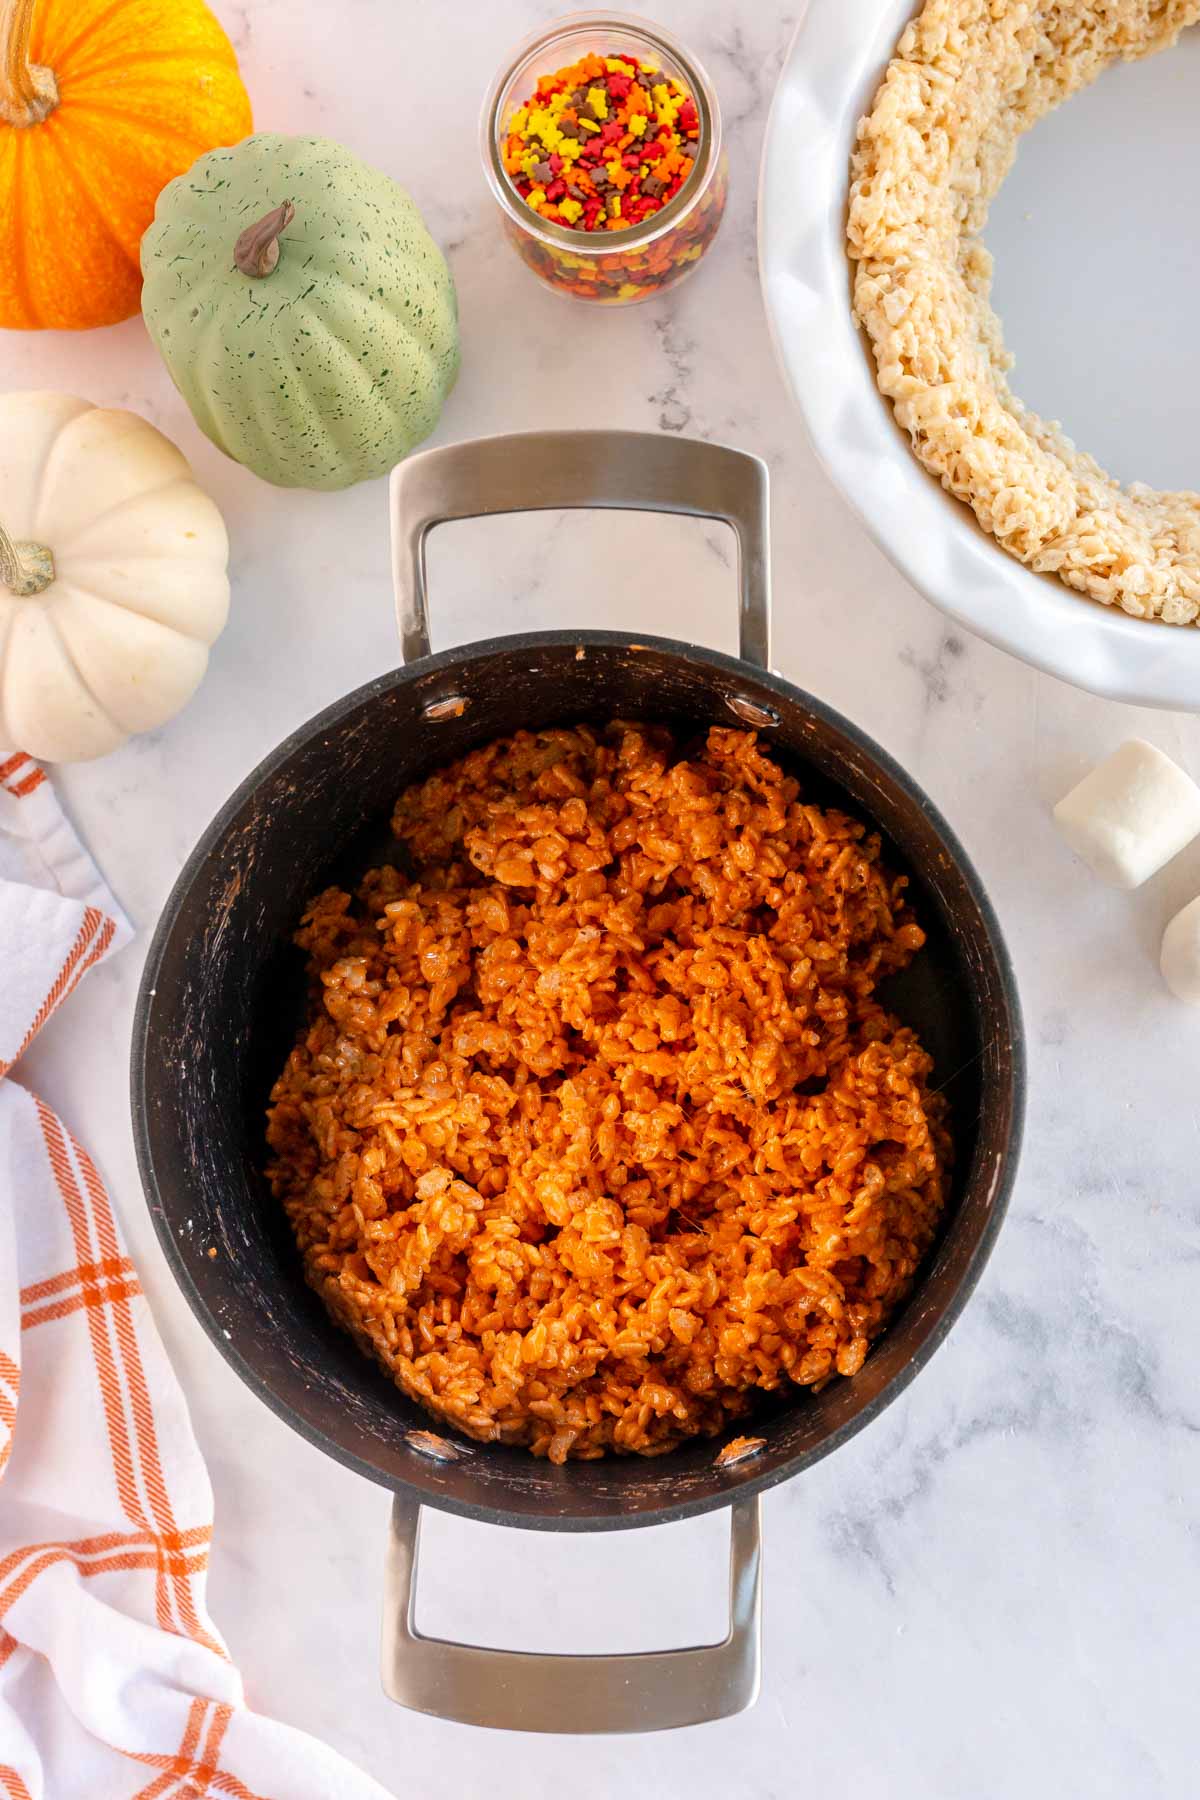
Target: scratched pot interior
[(223, 995)]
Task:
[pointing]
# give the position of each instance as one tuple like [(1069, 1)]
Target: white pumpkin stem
[(26, 570), (28, 92), (257, 250)]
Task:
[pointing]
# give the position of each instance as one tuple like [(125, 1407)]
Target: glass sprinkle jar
[(608, 267)]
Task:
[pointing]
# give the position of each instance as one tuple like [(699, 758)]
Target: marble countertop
[(993, 1589)]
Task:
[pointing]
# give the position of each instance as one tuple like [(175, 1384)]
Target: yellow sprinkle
[(598, 101), (614, 207), (529, 162), (536, 197), (637, 124), (627, 290), (542, 125), (661, 93), (570, 150), (570, 210), (587, 125)]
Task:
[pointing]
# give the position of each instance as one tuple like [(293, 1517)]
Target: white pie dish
[(836, 61)]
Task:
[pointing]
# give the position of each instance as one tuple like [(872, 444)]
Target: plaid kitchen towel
[(114, 1684)]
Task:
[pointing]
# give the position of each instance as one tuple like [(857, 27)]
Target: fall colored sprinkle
[(603, 144)]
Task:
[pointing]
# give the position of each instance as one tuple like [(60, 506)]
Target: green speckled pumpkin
[(304, 312)]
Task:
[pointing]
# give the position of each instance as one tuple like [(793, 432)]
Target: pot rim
[(742, 1485)]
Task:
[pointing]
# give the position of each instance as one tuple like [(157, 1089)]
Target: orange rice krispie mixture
[(597, 1129)]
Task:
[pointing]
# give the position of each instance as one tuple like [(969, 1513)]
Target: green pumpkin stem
[(256, 252), (26, 570), (28, 93)]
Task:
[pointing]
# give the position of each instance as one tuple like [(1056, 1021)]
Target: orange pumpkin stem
[(28, 93), (257, 250), (25, 569)]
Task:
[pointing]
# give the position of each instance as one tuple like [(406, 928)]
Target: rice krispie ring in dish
[(968, 78)]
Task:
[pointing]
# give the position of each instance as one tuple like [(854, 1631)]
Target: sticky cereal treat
[(602, 144), (968, 80)]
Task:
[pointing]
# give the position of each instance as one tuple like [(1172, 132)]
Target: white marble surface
[(993, 1590)]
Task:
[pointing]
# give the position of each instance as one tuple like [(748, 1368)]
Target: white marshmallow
[(1133, 813), (1180, 959)]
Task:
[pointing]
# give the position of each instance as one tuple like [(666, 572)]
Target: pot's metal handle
[(517, 1690), (529, 471)]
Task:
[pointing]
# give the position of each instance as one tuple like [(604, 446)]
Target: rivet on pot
[(450, 706), (438, 1449), (738, 1450), (751, 712)]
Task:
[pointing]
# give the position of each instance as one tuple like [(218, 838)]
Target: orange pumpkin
[(102, 102)]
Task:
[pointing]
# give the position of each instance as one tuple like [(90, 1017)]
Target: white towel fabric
[(114, 1684)]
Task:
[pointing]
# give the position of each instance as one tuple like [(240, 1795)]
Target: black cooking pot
[(223, 996)]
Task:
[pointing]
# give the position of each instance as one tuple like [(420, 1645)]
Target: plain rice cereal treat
[(968, 77), (597, 1129)]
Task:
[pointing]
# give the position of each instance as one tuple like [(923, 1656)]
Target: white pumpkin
[(113, 577)]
